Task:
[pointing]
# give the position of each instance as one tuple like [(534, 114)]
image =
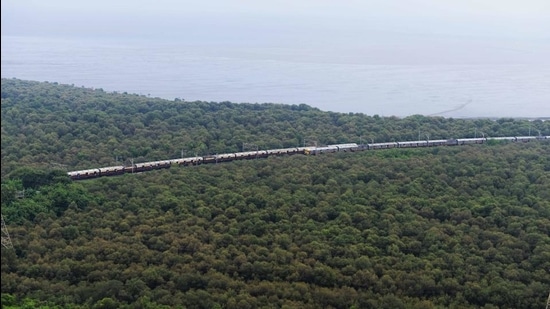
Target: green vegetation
[(446, 227)]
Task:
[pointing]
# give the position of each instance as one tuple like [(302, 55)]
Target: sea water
[(331, 82)]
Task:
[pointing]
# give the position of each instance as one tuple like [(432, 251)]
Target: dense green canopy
[(445, 227)]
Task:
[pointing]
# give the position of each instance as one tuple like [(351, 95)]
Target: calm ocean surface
[(277, 75)]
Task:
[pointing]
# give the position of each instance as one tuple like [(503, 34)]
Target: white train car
[(187, 161), (251, 154), (283, 151), (85, 174)]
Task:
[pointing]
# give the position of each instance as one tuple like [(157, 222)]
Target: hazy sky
[(390, 31), (279, 19)]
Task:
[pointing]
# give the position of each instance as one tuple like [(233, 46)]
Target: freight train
[(226, 157)]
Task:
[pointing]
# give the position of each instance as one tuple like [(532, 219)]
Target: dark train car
[(111, 170), (525, 138), (412, 144)]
